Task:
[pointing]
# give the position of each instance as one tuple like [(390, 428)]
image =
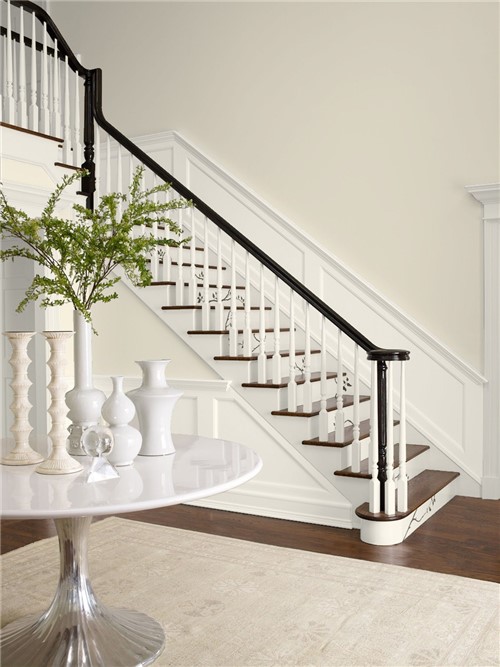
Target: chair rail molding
[(489, 196)]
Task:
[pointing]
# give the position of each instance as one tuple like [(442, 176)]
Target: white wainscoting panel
[(288, 487)]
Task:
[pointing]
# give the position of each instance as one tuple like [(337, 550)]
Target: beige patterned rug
[(230, 603)]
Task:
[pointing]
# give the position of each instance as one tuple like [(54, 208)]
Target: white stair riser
[(277, 399)]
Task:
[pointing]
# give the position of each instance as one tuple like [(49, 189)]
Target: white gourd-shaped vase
[(118, 410), (22, 454), (84, 400), (154, 402)]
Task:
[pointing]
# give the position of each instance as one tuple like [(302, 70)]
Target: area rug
[(230, 603)]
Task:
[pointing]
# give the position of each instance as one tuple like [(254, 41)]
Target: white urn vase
[(118, 410), (84, 401), (154, 402)]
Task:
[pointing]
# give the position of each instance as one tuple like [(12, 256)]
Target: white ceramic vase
[(22, 454), (118, 410), (59, 461), (154, 402), (84, 401)]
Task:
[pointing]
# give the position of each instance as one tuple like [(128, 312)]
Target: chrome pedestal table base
[(77, 630)]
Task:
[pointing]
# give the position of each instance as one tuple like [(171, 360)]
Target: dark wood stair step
[(198, 332), (67, 166), (36, 134), (420, 489), (331, 405), (412, 451), (269, 355), (299, 379), (199, 266), (198, 307), (155, 283), (364, 432)]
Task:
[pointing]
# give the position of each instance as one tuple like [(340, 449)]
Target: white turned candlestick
[(59, 461), (22, 454)]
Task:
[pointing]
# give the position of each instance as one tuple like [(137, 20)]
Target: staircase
[(336, 396)]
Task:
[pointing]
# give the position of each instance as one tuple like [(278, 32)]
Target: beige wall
[(361, 122)]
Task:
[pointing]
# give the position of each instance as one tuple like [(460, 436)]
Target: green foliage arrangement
[(80, 255)]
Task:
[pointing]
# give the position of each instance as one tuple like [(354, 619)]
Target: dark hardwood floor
[(461, 539)]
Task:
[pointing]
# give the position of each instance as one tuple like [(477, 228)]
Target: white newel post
[(489, 196)]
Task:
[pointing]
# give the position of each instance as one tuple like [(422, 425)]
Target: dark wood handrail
[(93, 111)]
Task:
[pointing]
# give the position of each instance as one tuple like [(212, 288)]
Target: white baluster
[(339, 415), (307, 363), (167, 263), (56, 96), (154, 266), (356, 446), (373, 452), (97, 165), (205, 306), (10, 103), (77, 126), (107, 161), (67, 118), (233, 319), (192, 252), (403, 476), (390, 485), (119, 178), (219, 306), (261, 362), (277, 334), (323, 413), (33, 109), (292, 384), (179, 286), (247, 331), (22, 109), (44, 103)]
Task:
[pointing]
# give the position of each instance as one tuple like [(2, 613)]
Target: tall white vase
[(154, 402), (118, 410), (84, 401), (59, 461), (22, 454)]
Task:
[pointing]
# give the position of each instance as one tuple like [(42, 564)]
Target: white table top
[(199, 468)]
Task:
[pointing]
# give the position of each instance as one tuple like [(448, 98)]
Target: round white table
[(77, 629)]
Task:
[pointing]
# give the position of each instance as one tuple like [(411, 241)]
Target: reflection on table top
[(199, 468)]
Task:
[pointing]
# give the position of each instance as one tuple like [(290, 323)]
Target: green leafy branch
[(80, 255)]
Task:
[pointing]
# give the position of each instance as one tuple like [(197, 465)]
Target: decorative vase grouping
[(153, 402)]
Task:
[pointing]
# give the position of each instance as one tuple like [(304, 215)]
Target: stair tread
[(364, 432), (221, 332), (36, 134), (254, 357), (198, 307), (412, 451), (331, 404), (155, 283), (299, 379), (420, 489), (67, 166), (199, 266)]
